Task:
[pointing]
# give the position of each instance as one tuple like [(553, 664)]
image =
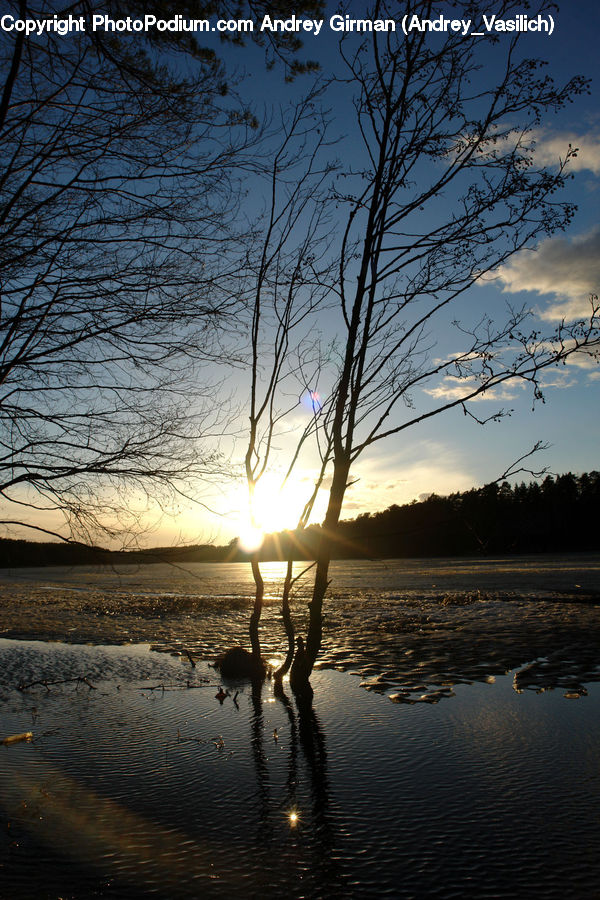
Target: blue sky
[(451, 452)]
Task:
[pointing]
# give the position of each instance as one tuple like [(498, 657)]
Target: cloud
[(550, 148), (566, 268), (550, 378), (586, 360), (453, 388), (439, 469)]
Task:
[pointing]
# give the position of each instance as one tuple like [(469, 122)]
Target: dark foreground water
[(141, 783)]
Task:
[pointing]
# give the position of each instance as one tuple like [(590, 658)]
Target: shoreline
[(408, 644)]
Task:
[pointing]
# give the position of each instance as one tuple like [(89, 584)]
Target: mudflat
[(411, 628)]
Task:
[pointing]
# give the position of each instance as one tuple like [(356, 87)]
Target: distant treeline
[(17, 553), (559, 515)]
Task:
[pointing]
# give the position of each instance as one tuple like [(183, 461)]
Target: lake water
[(479, 780), (128, 790), (409, 627)]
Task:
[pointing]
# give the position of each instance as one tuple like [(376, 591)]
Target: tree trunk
[(258, 607), (287, 623), (304, 662)]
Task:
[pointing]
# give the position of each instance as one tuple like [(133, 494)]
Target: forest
[(560, 514)]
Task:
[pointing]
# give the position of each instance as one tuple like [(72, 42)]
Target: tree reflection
[(308, 850)]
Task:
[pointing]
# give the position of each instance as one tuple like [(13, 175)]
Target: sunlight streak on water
[(151, 787)]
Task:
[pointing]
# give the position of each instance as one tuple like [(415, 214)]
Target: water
[(536, 574), (414, 629), (144, 784), (479, 779)]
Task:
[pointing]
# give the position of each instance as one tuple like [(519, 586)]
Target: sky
[(554, 278), (451, 452)]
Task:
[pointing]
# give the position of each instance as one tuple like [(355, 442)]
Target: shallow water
[(541, 574), (128, 790), (414, 629)]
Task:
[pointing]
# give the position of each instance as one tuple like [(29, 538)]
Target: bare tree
[(445, 190), (285, 280), (119, 184)]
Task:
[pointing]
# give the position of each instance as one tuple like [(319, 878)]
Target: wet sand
[(411, 629)]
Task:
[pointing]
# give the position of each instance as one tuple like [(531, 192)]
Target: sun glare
[(251, 537), (275, 508)]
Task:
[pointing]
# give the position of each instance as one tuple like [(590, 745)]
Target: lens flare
[(311, 401)]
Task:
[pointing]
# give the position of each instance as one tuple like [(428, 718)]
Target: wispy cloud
[(550, 148), (551, 378), (396, 478), (587, 360), (567, 269), (453, 388)]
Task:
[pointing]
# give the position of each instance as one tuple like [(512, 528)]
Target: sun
[(275, 508), (250, 537)]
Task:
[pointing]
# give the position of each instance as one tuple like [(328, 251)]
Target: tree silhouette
[(285, 281), (121, 169), (444, 189)]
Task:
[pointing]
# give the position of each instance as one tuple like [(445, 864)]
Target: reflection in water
[(265, 832), (306, 735), (109, 805), (292, 774), (466, 799), (312, 741)]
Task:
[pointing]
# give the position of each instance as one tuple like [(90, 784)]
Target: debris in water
[(17, 738)]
